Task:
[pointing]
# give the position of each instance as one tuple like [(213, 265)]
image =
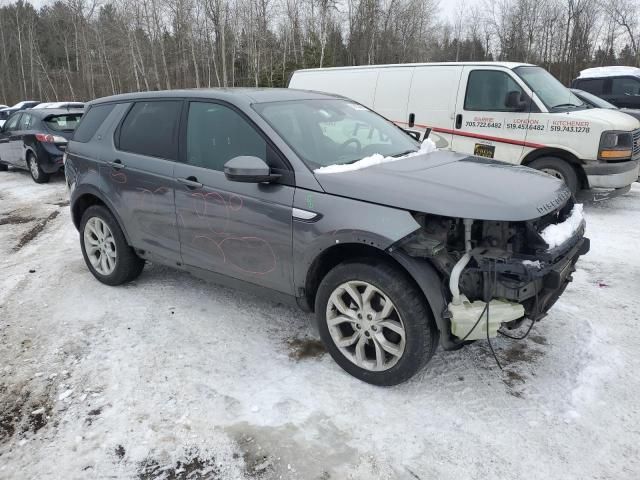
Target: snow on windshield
[(557, 234), (599, 72), (427, 146)]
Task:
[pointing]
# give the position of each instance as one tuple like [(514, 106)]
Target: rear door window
[(91, 121), (12, 123), (150, 128), (63, 123), (487, 91)]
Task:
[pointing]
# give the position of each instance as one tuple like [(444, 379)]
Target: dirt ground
[(171, 377)]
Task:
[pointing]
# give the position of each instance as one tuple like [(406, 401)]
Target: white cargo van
[(515, 112)]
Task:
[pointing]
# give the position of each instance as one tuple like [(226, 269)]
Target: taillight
[(48, 138)]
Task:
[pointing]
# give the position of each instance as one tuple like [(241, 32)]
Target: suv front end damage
[(497, 273)]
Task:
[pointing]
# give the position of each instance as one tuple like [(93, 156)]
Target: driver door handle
[(116, 164), (190, 182)]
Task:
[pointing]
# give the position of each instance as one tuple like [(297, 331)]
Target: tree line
[(84, 49)]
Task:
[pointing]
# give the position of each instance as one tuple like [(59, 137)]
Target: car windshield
[(594, 100), (549, 90), (334, 132), (63, 123)]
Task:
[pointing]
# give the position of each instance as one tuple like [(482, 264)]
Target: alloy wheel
[(33, 167), (100, 246), (365, 326)]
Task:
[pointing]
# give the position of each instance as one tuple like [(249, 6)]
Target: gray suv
[(317, 200)]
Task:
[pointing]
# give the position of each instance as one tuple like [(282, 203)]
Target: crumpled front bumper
[(537, 288)]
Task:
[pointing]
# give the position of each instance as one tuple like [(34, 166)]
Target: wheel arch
[(553, 152), (333, 256), (420, 272), (88, 198)]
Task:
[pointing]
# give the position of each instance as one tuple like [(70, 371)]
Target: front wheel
[(37, 174), (556, 167), (105, 250), (375, 322)]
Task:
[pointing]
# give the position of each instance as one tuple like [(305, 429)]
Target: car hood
[(609, 119), (453, 185)]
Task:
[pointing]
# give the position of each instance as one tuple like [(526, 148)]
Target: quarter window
[(91, 121), (150, 129), (488, 90), (216, 134), (26, 122)]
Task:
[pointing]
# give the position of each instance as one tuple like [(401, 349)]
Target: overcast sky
[(448, 8)]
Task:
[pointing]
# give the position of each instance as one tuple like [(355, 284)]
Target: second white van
[(514, 112)]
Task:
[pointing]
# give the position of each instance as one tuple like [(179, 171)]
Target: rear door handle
[(190, 182), (116, 164), (459, 121)]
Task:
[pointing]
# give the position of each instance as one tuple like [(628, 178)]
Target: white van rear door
[(357, 84), (432, 99), (392, 94), (484, 124)]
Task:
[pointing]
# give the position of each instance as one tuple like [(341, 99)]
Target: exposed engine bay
[(499, 273)]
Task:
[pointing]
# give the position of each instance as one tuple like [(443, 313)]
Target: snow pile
[(531, 263), (376, 159), (599, 72), (559, 233)]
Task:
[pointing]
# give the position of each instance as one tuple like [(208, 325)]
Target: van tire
[(128, 265), (3, 167), (560, 169), (421, 334)]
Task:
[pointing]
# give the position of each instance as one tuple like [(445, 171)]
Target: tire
[(411, 313), (3, 167), (560, 169), (34, 168), (125, 265)]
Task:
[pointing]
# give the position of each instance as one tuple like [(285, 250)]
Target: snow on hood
[(557, 234), (427, 146), (599, 72)]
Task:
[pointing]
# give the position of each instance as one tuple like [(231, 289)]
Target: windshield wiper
[(567, 105), (403, 153)]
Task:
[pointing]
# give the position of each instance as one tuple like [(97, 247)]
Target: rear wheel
[(375, 323), (105, 250), (3, 167), (36, 172), (558, 168)]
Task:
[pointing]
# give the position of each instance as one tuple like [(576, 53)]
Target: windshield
[(334, 132), (63, 123), (553, 94), (593, 100)]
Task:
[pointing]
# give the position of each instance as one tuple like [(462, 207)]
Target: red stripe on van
[(478, 136)]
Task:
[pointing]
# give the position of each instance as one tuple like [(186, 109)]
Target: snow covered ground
[(173, 377)]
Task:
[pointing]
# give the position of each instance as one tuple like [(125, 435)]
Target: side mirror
[(514, 102), (249, 170)]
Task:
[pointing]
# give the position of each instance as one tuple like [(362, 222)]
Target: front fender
[(342, 220)]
